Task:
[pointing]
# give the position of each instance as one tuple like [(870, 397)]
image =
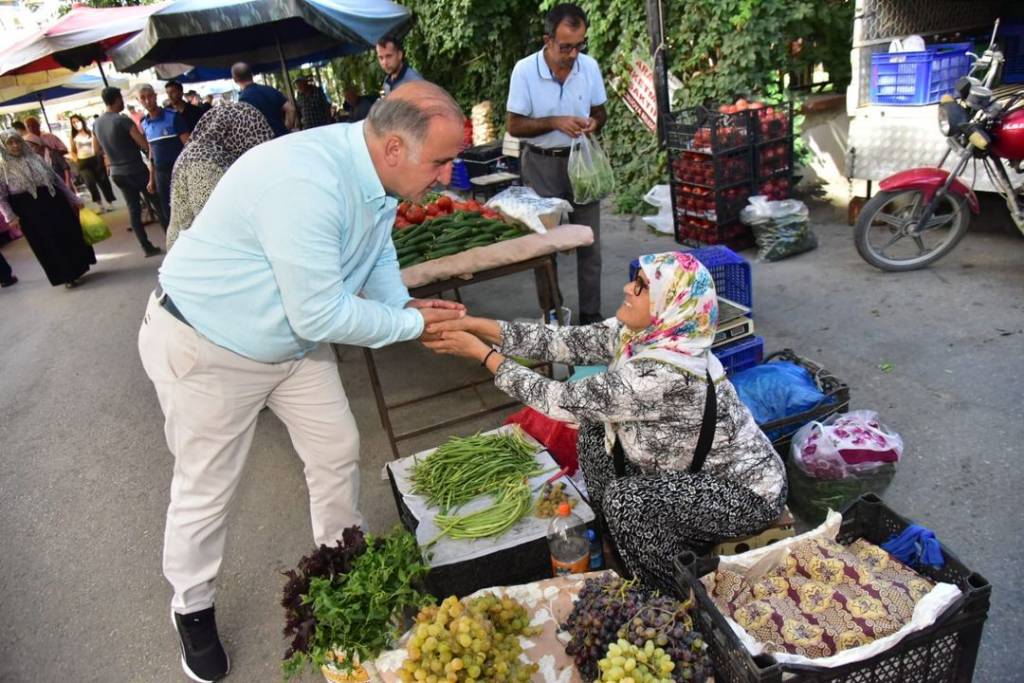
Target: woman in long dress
[(35, 199)]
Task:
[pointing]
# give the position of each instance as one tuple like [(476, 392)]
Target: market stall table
[(450, 273)]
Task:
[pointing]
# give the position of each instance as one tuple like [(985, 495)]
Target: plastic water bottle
[(567, 541), (596, 551)]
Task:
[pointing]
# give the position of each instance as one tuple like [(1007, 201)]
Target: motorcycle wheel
[(882, 238)]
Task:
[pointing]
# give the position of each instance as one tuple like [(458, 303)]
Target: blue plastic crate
[(909, 78), (729, 270), (1013, 41), (741, 355), (460, 176)]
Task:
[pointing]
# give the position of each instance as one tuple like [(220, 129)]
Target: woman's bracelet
[(483, 363)]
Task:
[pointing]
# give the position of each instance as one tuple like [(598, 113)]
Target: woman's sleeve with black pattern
[(624, 395), (574, 344)]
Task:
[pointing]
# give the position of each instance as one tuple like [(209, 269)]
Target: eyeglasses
[(639, 285), (568, 49)]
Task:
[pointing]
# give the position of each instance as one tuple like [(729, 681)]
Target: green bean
[(464, 468), (509, 507)]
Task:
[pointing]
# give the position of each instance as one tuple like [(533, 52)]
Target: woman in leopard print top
[(651, 399), (223, 134)]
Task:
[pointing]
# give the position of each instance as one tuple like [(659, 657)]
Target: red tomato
[(416, 214), (401, 223), (444, 203), (403, 208), (432, 210), (489, 213), (472, 205)]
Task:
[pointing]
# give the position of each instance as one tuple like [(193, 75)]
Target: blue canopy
[(217, 33)]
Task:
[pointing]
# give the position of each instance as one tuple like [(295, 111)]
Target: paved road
[(84, 471)]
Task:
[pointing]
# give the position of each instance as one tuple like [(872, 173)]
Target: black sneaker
[(9, 283), (202, 656), (155, 251)]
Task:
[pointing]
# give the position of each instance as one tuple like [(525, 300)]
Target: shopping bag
[(590, 172), (94, 228)]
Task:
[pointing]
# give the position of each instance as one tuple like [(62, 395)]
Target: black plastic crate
[(715, 205), (703, 131), (773, 157), (776, 186), (488, 152), (837, 400), (711, 170), (771, 122), (945, 652), (701, 232), (521, 564)]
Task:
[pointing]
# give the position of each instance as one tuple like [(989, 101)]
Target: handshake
[(447, 329)]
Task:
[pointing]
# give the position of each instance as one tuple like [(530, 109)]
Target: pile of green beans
[(462, 469), (511, 504)]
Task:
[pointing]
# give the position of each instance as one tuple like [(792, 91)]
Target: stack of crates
[(771, 132), (731, 274), (710, 173)]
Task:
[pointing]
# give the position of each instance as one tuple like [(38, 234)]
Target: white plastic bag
[(780, 228), (524, 204), (590, 172), (660, 197)]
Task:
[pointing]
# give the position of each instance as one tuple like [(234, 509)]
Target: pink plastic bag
[(845, 445)]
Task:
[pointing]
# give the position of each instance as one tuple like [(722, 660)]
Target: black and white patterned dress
[(658, 508)]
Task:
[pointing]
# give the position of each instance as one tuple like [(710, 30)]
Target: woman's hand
[(485, 328), (14, 223), (457, 343)]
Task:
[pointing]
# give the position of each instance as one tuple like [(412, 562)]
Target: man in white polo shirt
[(555, 95)]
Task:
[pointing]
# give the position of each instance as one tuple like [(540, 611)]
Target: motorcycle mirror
[(995, 29)]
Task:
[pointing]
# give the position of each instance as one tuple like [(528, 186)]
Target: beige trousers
[(210, 398)]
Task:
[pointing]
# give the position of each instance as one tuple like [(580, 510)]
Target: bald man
[(291, 253)]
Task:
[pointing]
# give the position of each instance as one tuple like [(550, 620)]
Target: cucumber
[(444, 251), (410, 260)]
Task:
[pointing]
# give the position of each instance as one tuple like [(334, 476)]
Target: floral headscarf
[(684, 308), (25, 173)]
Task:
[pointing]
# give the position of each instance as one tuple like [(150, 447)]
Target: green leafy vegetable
[(354, 599), (590, 172)]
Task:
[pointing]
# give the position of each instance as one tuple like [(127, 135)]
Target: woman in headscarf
[(221, 136), (658, 488), (35, 199)]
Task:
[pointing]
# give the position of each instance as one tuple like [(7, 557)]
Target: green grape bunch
[(629, 663), (473, 641)]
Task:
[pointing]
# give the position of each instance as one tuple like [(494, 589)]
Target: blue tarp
[(217, 33)]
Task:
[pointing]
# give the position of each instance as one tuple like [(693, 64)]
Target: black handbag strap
[(708, 424)]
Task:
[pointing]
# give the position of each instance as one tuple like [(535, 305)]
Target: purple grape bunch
[(667, 623), (604, 604), (609, 608)]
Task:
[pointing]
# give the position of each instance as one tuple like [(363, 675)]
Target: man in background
[(166, 134), (279, 110), (195, 100), (556, 95), (356, 105), (188, 112), (313, 105), (391, 57), (123, 144)]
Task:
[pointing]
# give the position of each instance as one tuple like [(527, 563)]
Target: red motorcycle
[(920, 214)]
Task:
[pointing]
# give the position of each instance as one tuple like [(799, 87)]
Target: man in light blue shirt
[(554, 96), (292, 252)]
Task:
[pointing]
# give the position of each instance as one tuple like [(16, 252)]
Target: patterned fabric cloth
[(824, 598), (654, 517), (654, 407), (24, 173), (222, 135)]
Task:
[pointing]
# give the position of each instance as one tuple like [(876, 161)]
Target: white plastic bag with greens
[(590, 172)]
